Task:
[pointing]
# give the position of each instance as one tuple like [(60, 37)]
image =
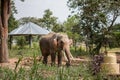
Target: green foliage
[(115, 34), (39, 71), (21, 41), (13, 8), (58, 28), (72, 28), (78, 52), (71, 25), (26, 52), (6, 74), (20, 59), (28, 19), (74, 73), (48, 20), (96, 18), (12, 23)]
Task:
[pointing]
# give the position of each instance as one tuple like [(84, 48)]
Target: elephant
[(54, 44)]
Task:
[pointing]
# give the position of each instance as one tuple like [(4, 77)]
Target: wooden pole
[(30, 41)]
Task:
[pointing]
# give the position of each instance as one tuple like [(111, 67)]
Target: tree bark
[(4, 15)]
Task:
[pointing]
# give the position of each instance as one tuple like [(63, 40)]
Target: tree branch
[(114, 18)]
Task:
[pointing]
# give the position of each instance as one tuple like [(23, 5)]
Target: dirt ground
[(27, 62)]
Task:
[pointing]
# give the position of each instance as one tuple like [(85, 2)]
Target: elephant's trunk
[(67, 52)]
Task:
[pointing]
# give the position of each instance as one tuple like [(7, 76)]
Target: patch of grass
[(27, 52), (38, 71), (114, 49), (79, 52)]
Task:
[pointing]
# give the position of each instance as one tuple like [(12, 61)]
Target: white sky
[(36, 8)]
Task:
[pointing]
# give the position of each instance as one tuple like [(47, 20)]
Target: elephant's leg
[(53, 57), (45, 59), (59, 58)]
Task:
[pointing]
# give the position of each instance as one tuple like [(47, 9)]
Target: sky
[(36, 8)]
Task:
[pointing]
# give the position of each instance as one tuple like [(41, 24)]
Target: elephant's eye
[(62, 43)]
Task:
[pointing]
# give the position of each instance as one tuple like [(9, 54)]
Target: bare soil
[(28, 61)]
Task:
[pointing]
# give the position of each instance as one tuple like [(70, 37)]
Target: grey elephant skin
[(55, 44)]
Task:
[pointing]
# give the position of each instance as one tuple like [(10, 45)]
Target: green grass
[(39, 71), (114, 50), (27, 52)]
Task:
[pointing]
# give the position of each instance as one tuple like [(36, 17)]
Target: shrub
[(21, 42), (79, 52)]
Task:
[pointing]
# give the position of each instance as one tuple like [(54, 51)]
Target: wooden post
[(30, 41)]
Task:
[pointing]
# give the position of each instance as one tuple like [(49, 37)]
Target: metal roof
[(29, 29)]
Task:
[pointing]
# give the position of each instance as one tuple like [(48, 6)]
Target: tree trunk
[(4, 15)]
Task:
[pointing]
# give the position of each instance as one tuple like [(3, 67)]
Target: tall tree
[(96, 19), (48, 20), (4, 16), (72, 28), (115, 31), (29, 19), (5, 6)]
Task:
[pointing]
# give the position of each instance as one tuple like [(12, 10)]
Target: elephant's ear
[(55, 41)]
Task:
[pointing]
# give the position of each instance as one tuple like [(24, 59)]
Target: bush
[(79, 52), (21, 42)]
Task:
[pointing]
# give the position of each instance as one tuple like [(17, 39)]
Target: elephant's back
[(46, 40)]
